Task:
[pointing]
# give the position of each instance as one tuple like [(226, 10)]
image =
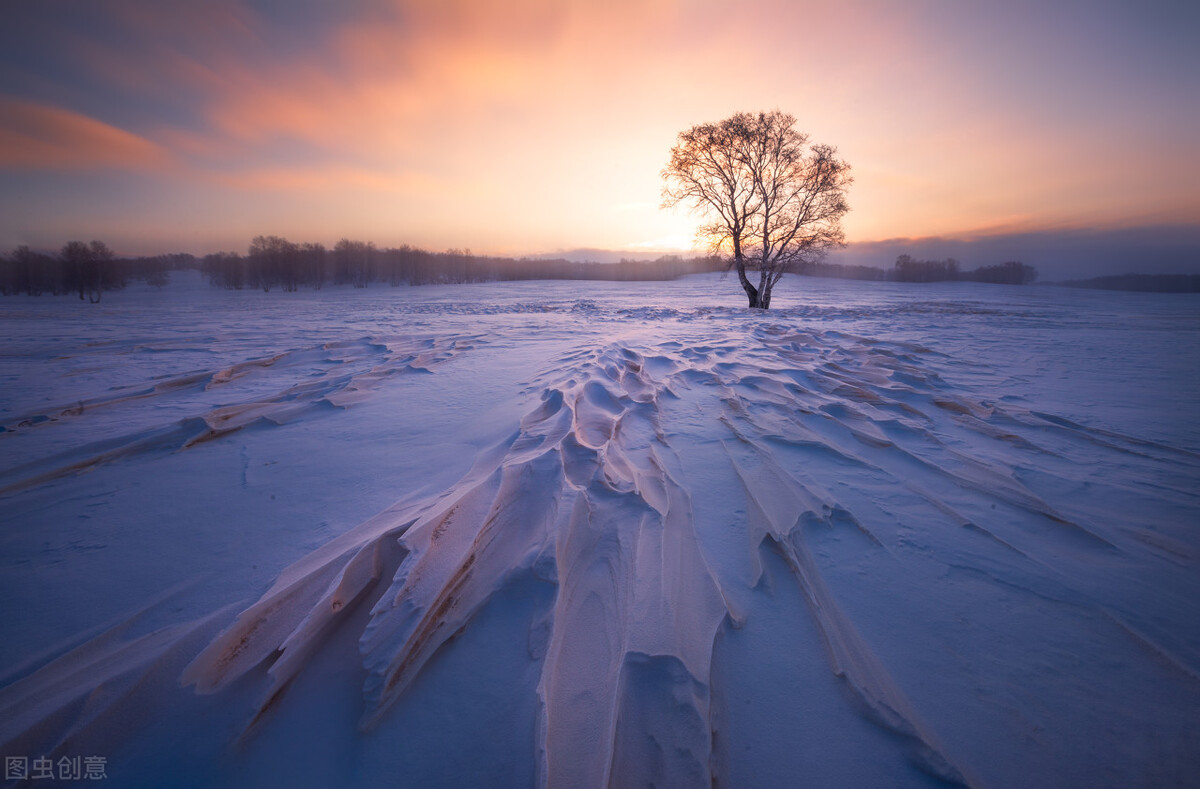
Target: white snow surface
[(577, 534)]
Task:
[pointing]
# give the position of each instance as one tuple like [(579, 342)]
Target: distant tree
[(106, 273), (842, 271), (10, 276), (76, 258), (908, 269), (1010, 273), (272, 261), (34, 273), (91, 269), (225, 270), (155, 271), (314, 265), (772, 201), (456, 266), (354, 262)]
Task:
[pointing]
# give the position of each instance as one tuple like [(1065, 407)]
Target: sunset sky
[(533, 126)]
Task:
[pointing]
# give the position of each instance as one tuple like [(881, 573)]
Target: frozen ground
[(583, 534)]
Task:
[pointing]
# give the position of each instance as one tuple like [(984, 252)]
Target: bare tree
[(272, 261), (770, 200), (90, 269), (354, 261), (33, 273), (76, 257), (104, 275)]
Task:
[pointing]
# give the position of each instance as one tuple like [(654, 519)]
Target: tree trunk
[(760, 297), (751, 291)]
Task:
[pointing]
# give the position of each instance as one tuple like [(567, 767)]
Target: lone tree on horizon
[(771, 200)]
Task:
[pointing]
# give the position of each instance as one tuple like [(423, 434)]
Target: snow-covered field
[(589, 534)]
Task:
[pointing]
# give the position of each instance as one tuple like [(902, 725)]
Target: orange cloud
[(39, 137), (325, 180)]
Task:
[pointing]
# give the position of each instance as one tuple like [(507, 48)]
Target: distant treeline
[(275, 262), (79, 268), (908, 269), (1146, 283)]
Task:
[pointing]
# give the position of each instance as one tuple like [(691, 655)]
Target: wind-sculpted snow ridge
[(591, 494), (928, 551), (585, 495), (265, 391), (97, 692)]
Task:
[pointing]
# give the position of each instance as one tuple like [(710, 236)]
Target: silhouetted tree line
[(86, 269), (841, 271), (908, 269), (275, 262), (1144, 283), (90, 269), (1010, 273)]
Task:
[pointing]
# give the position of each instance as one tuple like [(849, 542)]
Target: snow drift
[(751, 529)]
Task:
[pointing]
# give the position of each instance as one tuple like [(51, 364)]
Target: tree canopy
[(768, 198)]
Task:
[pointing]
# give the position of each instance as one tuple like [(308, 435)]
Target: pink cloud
[(325, 179), (40, 137)]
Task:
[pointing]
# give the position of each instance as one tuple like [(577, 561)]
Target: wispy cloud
[(39, 137), (326, 180)]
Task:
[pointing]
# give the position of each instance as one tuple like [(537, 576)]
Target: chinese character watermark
[(43, 767), (67, 768), (94, 767), (16, 768)]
